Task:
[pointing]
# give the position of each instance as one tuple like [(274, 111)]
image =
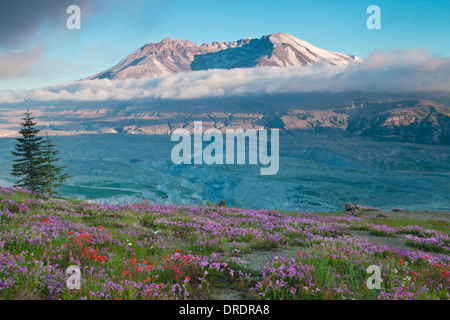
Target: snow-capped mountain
[(173, 56)]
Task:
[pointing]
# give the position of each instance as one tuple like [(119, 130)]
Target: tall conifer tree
[(53, 176), (28, 152)]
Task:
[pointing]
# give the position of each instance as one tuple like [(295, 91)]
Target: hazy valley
[(382, 149), (319, 171)]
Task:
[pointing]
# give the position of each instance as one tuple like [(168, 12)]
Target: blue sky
[(48, 53)]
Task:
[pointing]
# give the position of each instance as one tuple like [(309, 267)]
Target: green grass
[(438, 225)]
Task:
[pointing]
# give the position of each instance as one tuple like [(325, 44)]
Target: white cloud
[(395, 71)]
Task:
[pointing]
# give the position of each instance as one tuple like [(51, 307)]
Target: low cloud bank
[(395, 71)]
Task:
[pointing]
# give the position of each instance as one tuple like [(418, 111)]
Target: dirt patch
[(418, 215), (26, 295), (228, 294), (170, 240), (254, 262), (398, 242), (258, 259)]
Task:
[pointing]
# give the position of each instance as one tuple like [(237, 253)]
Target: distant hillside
[(419, 121)]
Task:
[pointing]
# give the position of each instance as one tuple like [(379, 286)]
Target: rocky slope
[(417, 121)]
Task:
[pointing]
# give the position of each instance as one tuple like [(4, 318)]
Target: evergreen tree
[(28, 152), (53, 177)]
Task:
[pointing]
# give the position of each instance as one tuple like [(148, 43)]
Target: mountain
[(279, 50), (173, 56), (383, 118), (416, 121)]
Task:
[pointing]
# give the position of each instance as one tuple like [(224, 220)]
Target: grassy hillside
[(152, 251)]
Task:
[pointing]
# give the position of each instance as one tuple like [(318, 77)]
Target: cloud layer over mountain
[(394, 71)]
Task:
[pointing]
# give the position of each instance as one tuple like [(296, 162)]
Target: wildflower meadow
[(144, 251)]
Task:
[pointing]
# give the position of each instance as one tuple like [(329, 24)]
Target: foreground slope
[(151, 251)]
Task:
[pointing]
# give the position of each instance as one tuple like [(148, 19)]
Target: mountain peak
[(170, 40), (173, 55), (281, 34)]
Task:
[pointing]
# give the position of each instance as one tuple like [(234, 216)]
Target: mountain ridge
[(173, 56), (408, 120)]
